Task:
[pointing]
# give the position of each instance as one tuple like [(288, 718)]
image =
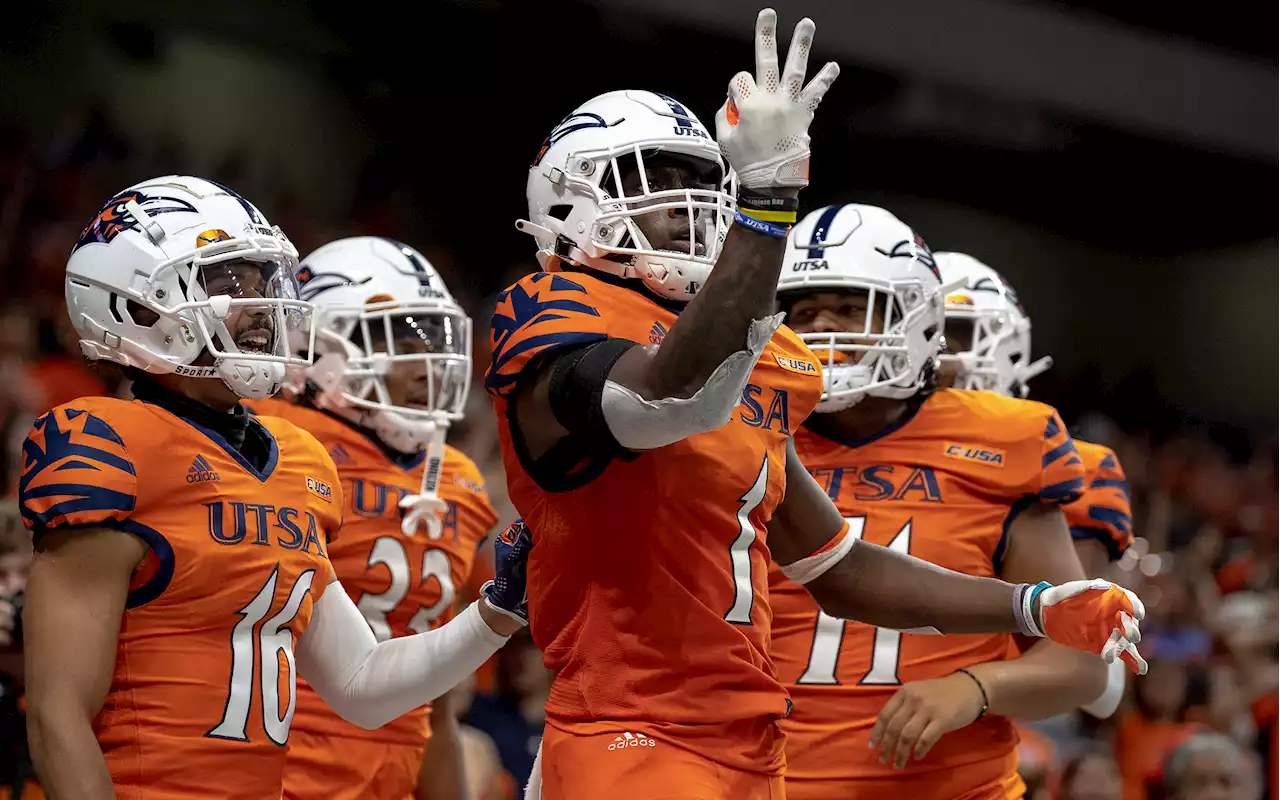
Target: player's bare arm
[(705, 357), (851, 579), (75, 598), (1048, 679), (443, 773), (1092, 555)]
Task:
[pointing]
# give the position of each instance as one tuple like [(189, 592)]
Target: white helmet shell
[(378, 304), (867, 250), (183, 249), (579, 213), (983, 312)]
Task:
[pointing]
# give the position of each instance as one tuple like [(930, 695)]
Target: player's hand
[(920, 713), (419, 509), (763, 127), (507, 593), (1095, 616)]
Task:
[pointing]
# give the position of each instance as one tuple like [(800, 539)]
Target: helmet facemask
[(224, 309), (989, 349), (623, 185), (244, 304), (893, 352), (402, 368)]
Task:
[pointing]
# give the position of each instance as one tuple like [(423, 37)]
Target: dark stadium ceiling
[(1043, 55), (1133, 129), (1225, 25)]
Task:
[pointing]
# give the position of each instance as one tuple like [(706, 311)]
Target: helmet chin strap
[(399, 432), (426, 506), (250, 379)]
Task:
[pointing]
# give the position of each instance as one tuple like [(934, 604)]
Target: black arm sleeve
[(576, 385)]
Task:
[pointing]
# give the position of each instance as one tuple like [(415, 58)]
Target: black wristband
[(982, 689), (762, 201)]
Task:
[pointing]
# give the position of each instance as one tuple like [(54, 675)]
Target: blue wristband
[(760, 226)]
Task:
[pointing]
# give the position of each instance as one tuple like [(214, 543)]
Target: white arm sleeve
[(370, 683), (640, 424), (1107, 702)]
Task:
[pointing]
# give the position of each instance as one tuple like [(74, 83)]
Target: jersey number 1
[(740, 551), (275, 638), (828, 634)]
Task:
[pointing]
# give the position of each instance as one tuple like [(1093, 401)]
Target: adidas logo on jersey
[(201, 471), (656, 333), (632, 740)]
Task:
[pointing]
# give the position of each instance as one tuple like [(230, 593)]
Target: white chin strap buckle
[(251, 380)]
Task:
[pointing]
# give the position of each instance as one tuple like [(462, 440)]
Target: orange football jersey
[(648, 577), (402, 584), (203, 692), (943, 484), (1102, 512)]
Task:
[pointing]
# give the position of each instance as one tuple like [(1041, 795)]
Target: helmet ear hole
[(560, 212), (142, 316)]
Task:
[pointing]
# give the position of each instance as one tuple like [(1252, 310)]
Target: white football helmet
[(867, 250), (371, 295), (155, 276), (580, 215), (988, 331)]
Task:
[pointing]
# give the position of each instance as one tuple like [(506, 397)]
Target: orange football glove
[(1095, 616)]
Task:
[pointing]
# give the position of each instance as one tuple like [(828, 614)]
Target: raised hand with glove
[(763, 126)]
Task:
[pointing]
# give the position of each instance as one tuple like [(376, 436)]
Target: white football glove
[(763, 127)]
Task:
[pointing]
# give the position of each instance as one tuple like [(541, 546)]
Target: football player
[(645, 405), (181, 575), (393, 363), (970, 481), (989, 347)]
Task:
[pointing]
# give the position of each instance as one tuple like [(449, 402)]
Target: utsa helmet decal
[(114, 217), (568, 125), (868, 251)]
